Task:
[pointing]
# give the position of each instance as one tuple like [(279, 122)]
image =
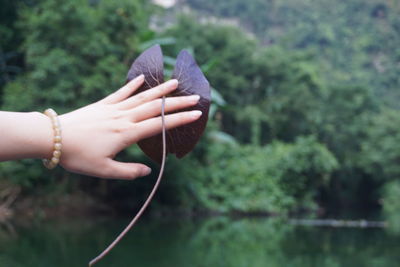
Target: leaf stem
[(149, 198)]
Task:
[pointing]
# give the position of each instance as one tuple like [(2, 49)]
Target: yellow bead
[(57, 139), (56, 125), (57, 146), (48, 164), (57, 154), (55, 161)]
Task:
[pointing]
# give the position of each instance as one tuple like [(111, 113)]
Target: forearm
[(94, 134), (25, 135)]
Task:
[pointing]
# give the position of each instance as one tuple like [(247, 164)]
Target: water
[(219, 242)]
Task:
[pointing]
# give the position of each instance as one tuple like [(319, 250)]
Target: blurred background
[(304, 126)]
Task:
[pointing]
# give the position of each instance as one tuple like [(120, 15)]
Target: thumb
[(126, 170)]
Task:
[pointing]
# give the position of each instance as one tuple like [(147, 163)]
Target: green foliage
[(381, 149), (275, 93), (344, 120), (356, 41), (74, 52), (276, 178), (279, 94), (10, 40), (290, 94), (391, 205), (232, 53)]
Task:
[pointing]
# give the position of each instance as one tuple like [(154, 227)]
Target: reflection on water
[(211, 242)]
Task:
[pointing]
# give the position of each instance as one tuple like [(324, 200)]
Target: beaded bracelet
[(55, 159)]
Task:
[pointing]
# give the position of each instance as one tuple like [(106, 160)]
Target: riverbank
[(81, 205), (16, 205)]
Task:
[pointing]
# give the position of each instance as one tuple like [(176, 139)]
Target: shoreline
[(82, 205)]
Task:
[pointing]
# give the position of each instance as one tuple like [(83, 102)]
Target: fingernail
[(195, 114), (146, 171), (194, 98), (140, 77), (173, 82)]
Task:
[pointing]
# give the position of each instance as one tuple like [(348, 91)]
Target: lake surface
[(220, 242)]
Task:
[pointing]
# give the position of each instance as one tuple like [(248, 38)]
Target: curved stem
[(146, 203)]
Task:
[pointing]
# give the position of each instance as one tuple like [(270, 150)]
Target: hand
[(94, 134)]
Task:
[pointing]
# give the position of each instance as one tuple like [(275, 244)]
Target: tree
[(11, 60), (276, 178), (381, 148), (270, 92)]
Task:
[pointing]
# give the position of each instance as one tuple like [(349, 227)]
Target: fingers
[(125, 91), (153, 108), (149, 95), (153, 126), (125, 170)]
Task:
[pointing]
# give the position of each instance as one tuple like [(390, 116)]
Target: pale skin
[(93, 135)]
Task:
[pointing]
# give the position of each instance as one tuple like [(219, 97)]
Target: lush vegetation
[(305, 110), (356, 41)]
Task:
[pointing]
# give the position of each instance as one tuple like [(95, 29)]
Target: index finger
[(124, 91), (149, 95)]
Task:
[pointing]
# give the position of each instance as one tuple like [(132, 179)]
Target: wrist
[(56, 154), (44, 136)]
